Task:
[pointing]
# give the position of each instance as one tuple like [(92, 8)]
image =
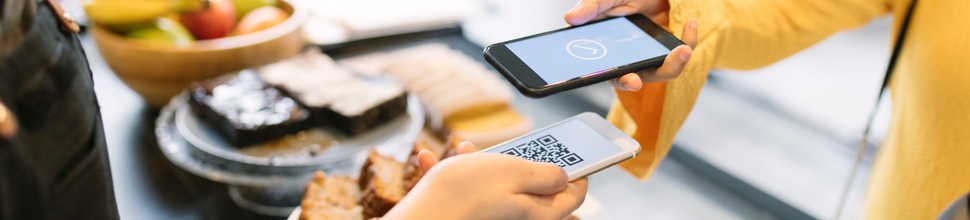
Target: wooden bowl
[(160, 71)]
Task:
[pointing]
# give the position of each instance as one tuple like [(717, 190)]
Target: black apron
[(56, 167)]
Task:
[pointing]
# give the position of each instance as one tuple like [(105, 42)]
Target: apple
[(261, 19), (164, 30), (213, 22), (243, 7)]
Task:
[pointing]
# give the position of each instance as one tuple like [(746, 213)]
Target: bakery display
[(245, 111), (331, 198), (259, 109), (336, 96), (461, 95)]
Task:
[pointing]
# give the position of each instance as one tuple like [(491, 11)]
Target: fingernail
[(685, 56), (693, 23)]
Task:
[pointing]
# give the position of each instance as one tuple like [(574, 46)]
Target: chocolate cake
[(245, 110), (359, 112), (330, 198), (381, 180), (335, 96)]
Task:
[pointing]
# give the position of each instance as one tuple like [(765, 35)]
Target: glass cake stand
[(274, 186)]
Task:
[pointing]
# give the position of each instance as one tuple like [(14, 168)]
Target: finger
[(623, 10), (539, 178), (672, 67), (426, 160), (629, 82), (560, 205), (573, 196), (689, 36), (8, 123), (466, 148), (587, 10)]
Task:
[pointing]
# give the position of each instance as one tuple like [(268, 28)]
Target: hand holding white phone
[(582, 145)]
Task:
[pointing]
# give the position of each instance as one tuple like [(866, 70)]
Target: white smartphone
[(582, 145)]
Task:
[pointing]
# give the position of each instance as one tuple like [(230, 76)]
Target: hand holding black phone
[(573, 57)]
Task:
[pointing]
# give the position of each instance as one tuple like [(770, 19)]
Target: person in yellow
[(924, 162)]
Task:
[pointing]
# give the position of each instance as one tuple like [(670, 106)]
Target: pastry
[(487, 129), (460, 95), (381, 180), (245, 111), (331, 198)]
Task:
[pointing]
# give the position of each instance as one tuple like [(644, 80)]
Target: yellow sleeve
[(737, 34)]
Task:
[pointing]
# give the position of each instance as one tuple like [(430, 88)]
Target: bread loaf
[(381, 178), (330, 198)]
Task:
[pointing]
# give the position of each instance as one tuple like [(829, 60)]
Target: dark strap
[(895, 56), (864, 143)]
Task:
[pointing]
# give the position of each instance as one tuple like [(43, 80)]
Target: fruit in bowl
[(125, 15), (261, 19), (164, 30), (243, 7), (204, 19), (214, 21), (146, 59)]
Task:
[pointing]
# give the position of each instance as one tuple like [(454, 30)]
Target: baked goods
[(336, 96), (381, 180), (412, 172), (330, 198), (244, 110), (571, 217), (460, 94), (448, 82), (490, 128)]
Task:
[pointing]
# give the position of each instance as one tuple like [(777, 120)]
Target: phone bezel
[(530, 84), (629, 147)]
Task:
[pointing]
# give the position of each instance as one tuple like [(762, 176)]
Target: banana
[(127, 12)]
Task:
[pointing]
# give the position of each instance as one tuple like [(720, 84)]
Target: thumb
[(540, 178), (587, 10)]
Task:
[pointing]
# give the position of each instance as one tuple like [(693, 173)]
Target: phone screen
[(570, 145), (586, 50)]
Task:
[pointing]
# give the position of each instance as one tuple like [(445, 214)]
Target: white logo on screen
[(586, 49)]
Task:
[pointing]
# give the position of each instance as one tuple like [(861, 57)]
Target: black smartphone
[(573, 57)]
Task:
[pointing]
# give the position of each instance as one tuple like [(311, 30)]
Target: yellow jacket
[(924, 162)]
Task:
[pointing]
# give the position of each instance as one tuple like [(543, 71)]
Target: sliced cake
[(331, 198), (334, 95), (245, 111), (412, 172), (381, 180)]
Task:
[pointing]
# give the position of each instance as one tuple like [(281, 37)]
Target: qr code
[(545, 149)]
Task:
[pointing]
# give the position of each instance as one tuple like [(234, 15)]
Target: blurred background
[(772, 143)]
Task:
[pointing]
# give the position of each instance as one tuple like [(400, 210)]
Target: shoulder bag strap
[(864, 143)]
